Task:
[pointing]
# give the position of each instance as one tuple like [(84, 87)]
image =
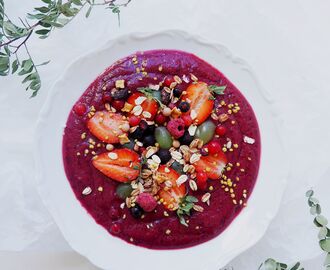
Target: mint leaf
[(219, 90)]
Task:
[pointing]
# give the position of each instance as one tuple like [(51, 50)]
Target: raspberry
[(147, 202), (176, 127)]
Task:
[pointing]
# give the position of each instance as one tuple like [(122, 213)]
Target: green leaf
[(325, 244), (269, 264), (219, 90), (312, 201), (309, 193), (327, 260), (296, 266), (321, 220), (4, 65), (182, 220), (89, 11), (77, 2), (13, 30), (14, 66), (2, 12), (27, 64), (42, 31), (323, 233), (47, 1), (42, 9), (191, 199)]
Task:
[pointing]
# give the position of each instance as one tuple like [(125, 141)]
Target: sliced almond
[(156, 159), (198, 208), (193, 185), (206, 197), (182, 179), (137, 110), (248, 140), (140, 100), (194, 158), (152, 150), (192, 130), (146, 114), (177, 79), (87, 191)]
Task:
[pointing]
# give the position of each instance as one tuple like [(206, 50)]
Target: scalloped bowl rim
[(92, 240)]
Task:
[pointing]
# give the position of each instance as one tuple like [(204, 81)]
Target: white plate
[(92, 240)]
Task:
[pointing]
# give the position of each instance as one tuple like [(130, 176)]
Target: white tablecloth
[(287, 44)]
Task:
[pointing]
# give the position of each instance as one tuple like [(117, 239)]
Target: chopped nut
[(146, 114), (140, 100), (182, 179), (112, 155), (137, 110), (194, 158), (152, 150), (248, 140), (206, 197), (87, 191), (223, 117), (198, 208), (127, 107), (193, 185), (120, 84), (192, 130)]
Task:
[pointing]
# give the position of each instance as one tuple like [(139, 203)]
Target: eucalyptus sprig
[(187, 203), (321, 223), (42, 21), (324, 238)]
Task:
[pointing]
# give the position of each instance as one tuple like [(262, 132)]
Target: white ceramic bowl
[(93, 241)]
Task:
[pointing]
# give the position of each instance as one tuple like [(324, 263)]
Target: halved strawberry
[(149, 105), (121, 165), (201, 101), (212, 165), (170, 196), (106, 126)]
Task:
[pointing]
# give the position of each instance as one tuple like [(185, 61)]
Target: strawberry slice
[(149, 105), (106, 126), (212, 165), (171, 196), (201, 101), (121, 165)]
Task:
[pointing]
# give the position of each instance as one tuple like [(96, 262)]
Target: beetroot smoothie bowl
[(162, 150)]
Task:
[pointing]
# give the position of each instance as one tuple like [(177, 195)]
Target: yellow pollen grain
[(235, 145)]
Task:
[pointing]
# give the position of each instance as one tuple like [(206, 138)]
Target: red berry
[(115, 228), (118, 104), (168, 81), (134, 120), (214, 147), (160, 119), (187, 119), (106, 98), (220, 130), (176, 127), (147, 202), (201, 180), (80, 109)]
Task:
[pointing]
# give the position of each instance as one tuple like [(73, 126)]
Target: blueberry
[(164, 155), (184, 106), (119, 93), (165, 97), (137, 134), (186, 139), (149, 140), (136, 211), (143, 125), (151, 129), (177, 92)]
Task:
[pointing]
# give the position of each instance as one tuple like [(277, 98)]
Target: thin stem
[(24, 41), (28, 53)]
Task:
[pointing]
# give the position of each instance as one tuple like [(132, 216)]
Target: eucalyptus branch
[(53, 14), (324, 238)]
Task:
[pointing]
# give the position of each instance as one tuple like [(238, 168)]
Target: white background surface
[(288, 46)]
